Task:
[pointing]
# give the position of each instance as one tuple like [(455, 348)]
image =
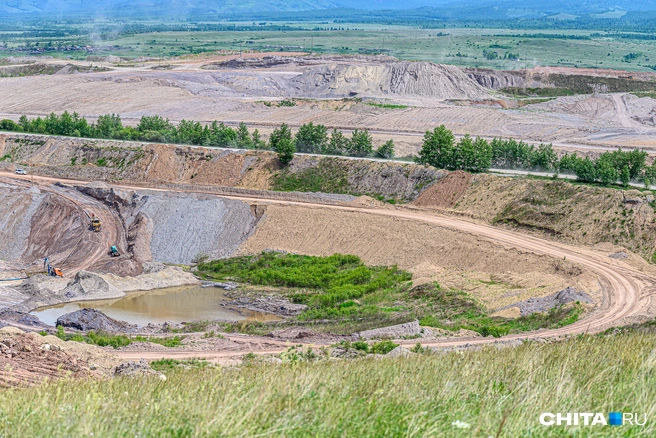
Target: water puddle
[(173, 304)]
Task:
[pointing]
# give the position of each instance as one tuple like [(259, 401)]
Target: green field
[(492, 392), (476, 47)]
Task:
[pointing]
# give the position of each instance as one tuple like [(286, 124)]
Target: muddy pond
[(173, 304)]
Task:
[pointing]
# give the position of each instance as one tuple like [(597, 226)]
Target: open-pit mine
[(114, 237)]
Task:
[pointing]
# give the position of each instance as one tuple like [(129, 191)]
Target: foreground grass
[(496, 392)]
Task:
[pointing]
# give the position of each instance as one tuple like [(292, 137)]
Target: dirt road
[(627, 292)]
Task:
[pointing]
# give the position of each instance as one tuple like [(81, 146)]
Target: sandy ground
[(434, 94), (496, 274)]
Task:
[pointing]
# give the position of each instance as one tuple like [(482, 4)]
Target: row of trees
[(309, 138), (150, 128), (440, 149), (314, 139)]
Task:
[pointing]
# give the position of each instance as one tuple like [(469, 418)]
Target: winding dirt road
[(627, 292)]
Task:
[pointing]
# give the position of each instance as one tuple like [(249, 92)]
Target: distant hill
[(187, 7), (461, 9)]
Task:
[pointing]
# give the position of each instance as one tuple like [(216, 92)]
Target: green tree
[(386, 150), (285, 149), (256, 138), (586, 170), (625, 176), (189, 132), (606, 173), (154, 123), (337, 144), (221, 135), (544, 157), (483, 159), (244, 139), (108, 126), (437, 148), (281, 142), (311, 138), (9, 125), (361, 144)]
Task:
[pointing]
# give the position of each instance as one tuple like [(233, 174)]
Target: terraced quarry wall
[(565, 211)]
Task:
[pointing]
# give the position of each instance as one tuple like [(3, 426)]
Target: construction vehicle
[(113, 251), (53, 272), (95, 225)]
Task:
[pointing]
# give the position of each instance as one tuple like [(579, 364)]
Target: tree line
[(441, 150), (309, 138)]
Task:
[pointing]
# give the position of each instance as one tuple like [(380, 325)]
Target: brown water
[(173, 304)]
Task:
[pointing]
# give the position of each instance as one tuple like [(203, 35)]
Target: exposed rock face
[(26, 358), (496, 80), (393, 78), (22, 318), (343, 76), (212, 226), (390, 180), (91, 319)]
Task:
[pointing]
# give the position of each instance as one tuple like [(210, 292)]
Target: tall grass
[(496, 392)]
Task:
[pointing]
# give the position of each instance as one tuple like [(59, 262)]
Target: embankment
[(104, 160)]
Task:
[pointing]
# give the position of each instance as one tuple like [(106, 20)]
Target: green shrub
[(383, 347)]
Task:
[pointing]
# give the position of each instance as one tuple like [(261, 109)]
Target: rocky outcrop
[(92, 319), (136, 369), (268, 304), (393, 332), (544, 304), (89, 285)]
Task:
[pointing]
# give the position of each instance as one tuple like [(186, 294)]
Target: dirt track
[(627, 292)]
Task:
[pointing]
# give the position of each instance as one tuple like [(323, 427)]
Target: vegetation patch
[(454, 310), (387, 105), (345, 295), (538, 92), (328, 176), (103, 339), (167, 365)]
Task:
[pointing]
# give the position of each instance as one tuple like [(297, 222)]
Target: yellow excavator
[(95, 224)]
